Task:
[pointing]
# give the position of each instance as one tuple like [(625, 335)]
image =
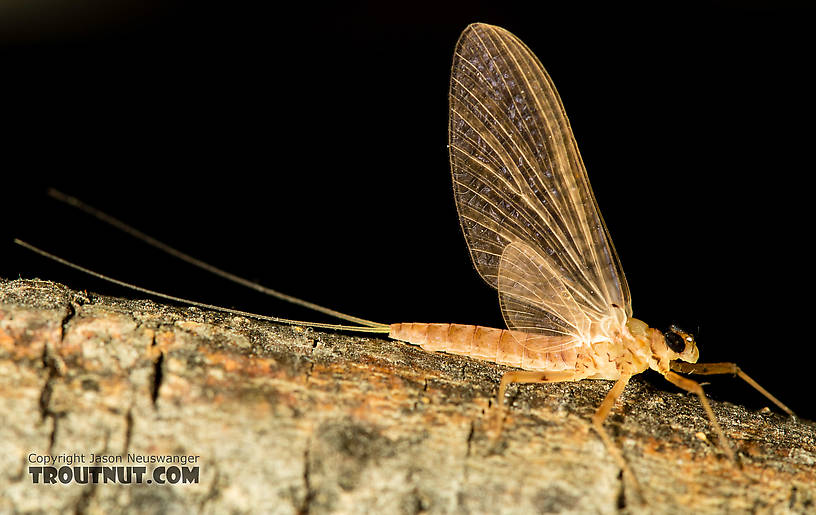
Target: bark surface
[(291, 420)]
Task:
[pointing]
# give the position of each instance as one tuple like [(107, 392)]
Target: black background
[(306, 149)]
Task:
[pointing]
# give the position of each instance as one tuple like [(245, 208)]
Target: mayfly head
[(682, 344)]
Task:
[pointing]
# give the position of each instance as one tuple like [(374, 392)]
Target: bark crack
[(470, 438), (84, 500), (213, 492), (622, 494), (307, 485), (158, 374), (128, 430), (51, 363), (72, 312)]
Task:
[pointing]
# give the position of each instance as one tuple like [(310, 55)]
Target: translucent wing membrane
[(519, 179), (535, 299)]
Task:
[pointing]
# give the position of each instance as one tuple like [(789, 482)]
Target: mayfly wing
[(535, 299), (524, 201)]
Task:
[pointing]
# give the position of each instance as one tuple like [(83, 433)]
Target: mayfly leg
[(728, 368), (693, 386), (597, 424), (524, 376)]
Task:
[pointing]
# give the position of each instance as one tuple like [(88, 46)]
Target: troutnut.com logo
[(128, 469)]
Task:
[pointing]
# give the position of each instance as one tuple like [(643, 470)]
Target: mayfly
[(535, 234)]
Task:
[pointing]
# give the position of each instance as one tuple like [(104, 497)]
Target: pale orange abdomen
[(490, 344)]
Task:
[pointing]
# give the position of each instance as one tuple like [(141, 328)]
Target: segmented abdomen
[(486, 343)]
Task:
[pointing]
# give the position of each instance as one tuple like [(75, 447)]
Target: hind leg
[(526, 376)]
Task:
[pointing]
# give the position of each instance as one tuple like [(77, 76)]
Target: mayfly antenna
[(132, 231)]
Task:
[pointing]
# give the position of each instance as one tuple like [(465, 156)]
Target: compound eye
[(675, 341)]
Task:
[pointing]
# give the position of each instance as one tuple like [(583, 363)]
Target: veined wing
[(535, 299), (519, 179)]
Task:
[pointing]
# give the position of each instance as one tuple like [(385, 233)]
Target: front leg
[(727, 368)]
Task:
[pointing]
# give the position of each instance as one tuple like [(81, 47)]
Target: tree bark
[(290, 420)]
